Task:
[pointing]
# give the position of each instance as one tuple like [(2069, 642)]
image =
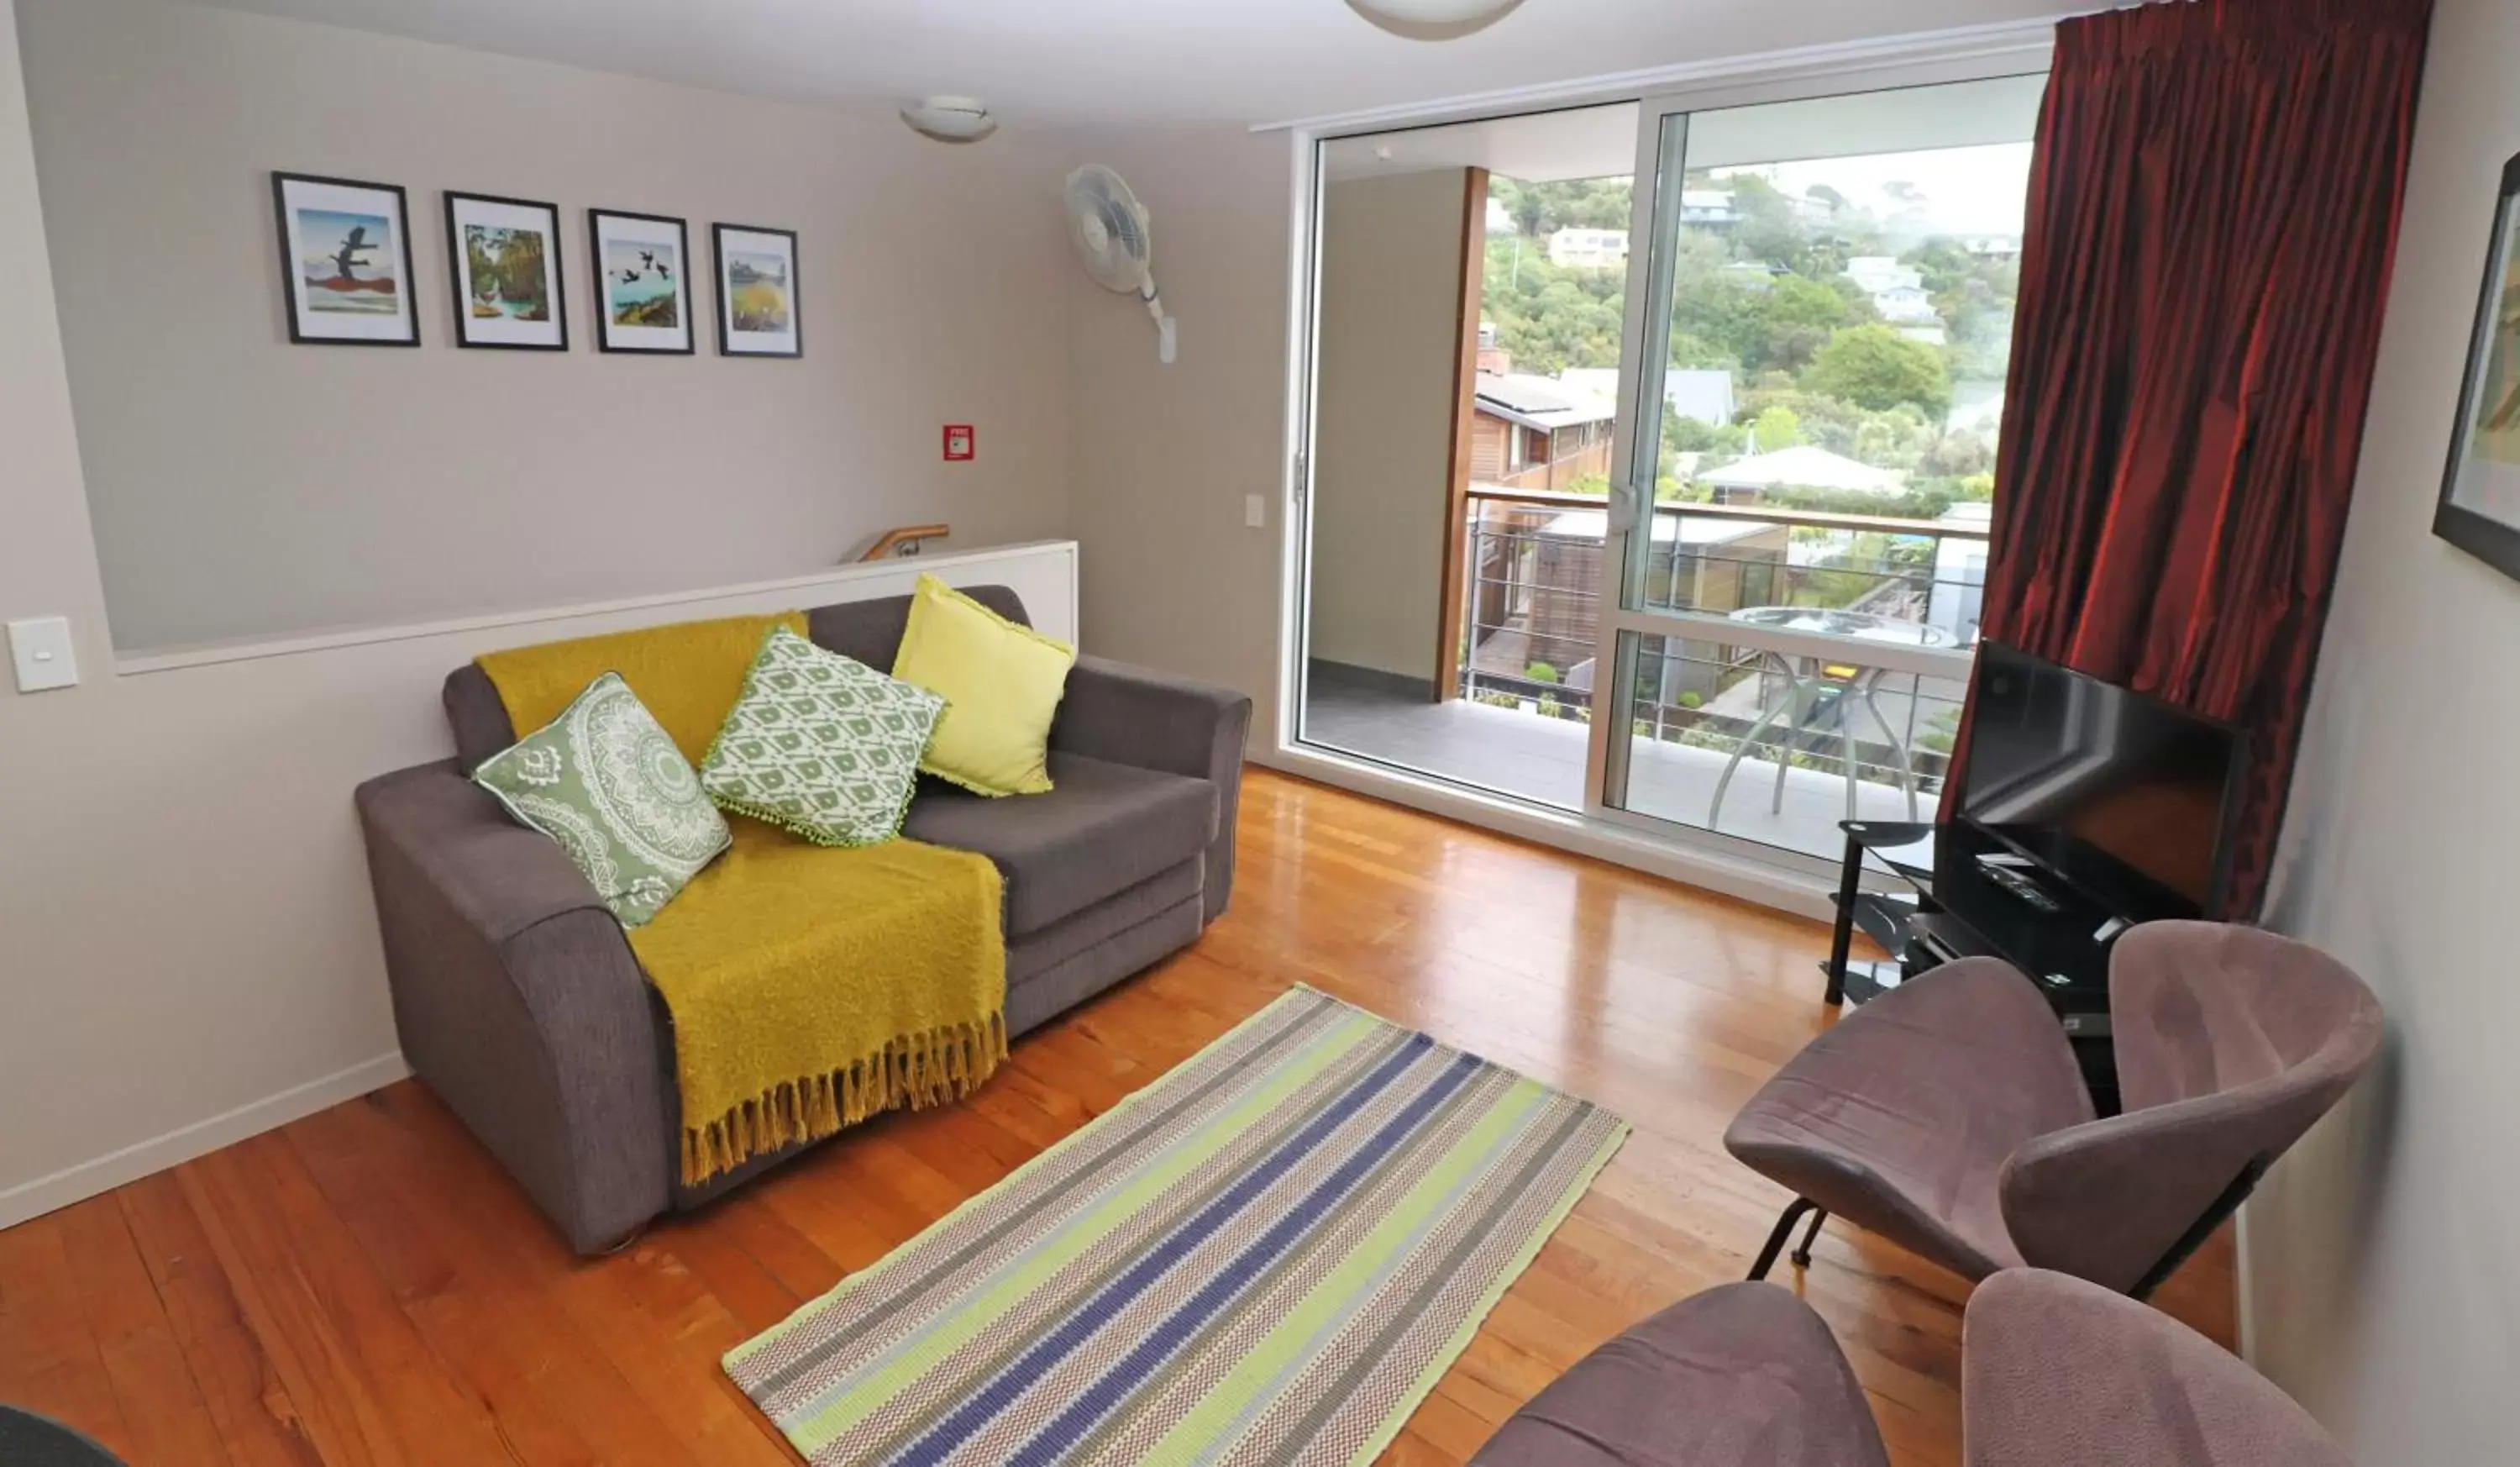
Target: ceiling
[(1584, 142), (1595, 142), (1063, 63)]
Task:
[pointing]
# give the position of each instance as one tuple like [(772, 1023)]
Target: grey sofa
[(518, 999)]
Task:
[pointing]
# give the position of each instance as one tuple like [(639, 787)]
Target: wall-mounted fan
[(1110, 227)]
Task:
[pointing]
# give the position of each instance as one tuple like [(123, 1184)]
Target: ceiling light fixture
[(951, 119), (1433, 20)]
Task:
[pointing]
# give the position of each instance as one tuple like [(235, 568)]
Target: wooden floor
[(365, 1286)]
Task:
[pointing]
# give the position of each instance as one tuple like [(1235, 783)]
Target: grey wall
[(1389, 373), (2383, 1289), (241, 486)]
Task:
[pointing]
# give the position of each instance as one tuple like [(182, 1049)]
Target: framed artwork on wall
[(2480, 497), (642, 289), (344, 262), (756, 292), (503, 259)]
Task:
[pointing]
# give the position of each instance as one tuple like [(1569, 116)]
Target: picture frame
[(758, 308), (502, 268), (639, 307), (2480, 496), (345, 261)]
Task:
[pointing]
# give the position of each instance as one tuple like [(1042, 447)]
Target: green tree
[(1768, 227), (1776, 428), (1874, 367)]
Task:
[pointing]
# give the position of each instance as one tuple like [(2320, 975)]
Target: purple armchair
[(2055, 1372), (1949, 1116)]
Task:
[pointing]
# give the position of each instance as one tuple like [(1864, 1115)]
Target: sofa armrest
[(1130, 716), (518, 999)]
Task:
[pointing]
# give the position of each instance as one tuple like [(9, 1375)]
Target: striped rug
[(1268, 1255)]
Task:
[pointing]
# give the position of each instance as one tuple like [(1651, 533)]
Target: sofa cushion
[(821, 745), (1001, 681), (871, 630), (1101, 830), (605, 782)]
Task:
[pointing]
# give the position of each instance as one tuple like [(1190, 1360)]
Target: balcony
[(1774, 733)]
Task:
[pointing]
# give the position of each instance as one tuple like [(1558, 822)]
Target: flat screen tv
[(2118, 794)]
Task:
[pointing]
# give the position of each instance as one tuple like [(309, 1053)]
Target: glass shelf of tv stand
[(1905, 849)]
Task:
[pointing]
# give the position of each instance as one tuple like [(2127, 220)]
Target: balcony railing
[(1558, 475), (1535, 577)]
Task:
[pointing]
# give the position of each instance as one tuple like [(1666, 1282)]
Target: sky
[(1967, 190)]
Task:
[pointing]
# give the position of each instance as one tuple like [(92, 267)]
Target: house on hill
[(1532, 432), (1589, 249)]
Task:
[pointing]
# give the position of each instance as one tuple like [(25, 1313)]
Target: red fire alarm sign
[(959, 441)]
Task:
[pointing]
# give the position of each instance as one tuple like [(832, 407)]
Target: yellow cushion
[(1000, 682)]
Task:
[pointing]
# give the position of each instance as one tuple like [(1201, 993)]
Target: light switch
[(1255, 512), (41, 647)]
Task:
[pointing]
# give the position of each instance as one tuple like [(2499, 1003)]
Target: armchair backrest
[(2057, 1373), (2231, 1043)]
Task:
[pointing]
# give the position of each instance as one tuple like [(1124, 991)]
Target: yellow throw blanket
[(688, 674), (813, 988), (809, 986)]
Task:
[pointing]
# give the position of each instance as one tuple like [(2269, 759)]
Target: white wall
[(188, 949), (1390, 375), (244, 486), (2383, 1289), (1164, 457)]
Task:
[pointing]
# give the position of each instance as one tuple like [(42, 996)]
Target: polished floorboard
[(366, 1287)]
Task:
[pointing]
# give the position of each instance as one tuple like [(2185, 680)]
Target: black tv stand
[(1963, 893)]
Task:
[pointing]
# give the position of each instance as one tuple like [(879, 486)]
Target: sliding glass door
[(1820, 302), (1466, 361), (1650, 468)]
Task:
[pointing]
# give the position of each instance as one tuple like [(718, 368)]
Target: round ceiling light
[(951, 119), (1433, 20)]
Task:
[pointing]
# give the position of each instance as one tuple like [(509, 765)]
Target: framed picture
[(344, 262), (643, 292), (503, 257), (2480, 497), (756, 292)]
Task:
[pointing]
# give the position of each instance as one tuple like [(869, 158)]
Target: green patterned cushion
[(821, 745), (605, 781)]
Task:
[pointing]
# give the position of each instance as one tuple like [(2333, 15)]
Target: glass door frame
[(1662, 136), (1968, 54)]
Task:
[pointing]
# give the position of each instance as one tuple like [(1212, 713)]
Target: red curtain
[(2213, 208)]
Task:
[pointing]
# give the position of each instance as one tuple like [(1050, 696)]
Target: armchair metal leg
[(1810, 1235), (1784, 1229)]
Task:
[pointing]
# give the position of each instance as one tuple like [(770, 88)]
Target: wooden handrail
[(902, 541), (1768, 515)]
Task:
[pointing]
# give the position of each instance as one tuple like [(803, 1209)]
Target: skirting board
[(78, 1183)]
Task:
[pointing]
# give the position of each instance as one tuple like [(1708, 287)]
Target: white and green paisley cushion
[(605, 782), (821, 745)]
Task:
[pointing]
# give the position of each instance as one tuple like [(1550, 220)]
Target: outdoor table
[(1804, 673)]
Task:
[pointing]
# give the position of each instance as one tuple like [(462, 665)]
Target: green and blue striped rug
[(1268, 1255)]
